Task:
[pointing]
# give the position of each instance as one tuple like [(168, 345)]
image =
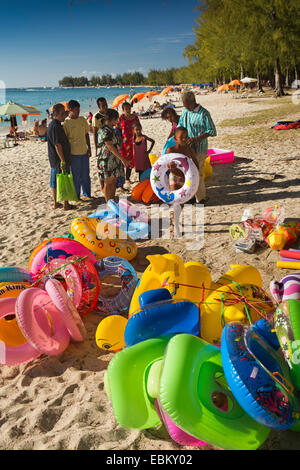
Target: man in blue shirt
[(199, 124)]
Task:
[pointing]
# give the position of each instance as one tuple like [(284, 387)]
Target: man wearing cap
[(199, 124)]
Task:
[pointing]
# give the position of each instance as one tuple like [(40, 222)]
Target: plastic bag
[(65, 189)]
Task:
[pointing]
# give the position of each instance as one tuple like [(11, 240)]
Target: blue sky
[(41, 41)]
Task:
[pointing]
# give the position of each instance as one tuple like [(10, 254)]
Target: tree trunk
[(287, 78), (296, 76), (278, 80), (259, 82), (242, 72)]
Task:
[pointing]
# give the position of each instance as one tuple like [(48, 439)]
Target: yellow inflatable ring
[(103, 239), (10, 332)]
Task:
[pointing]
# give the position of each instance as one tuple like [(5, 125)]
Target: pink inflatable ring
[(69, 313), (28, 304)]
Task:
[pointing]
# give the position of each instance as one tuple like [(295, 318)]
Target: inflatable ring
[(136, 212), (161, 316), (63, 303), (160, 180), (19, 354), (287, 327), (96, 235), (118, 211), (143, 192), (64, 248), (258, 376), (193, 391), (28, 304), (123, 269), (10, 332), (14, 274), (41, 245), (60, 268)]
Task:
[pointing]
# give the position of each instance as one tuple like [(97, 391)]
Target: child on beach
[(176, 177), (169, 114), (126, 122), (140, 152)]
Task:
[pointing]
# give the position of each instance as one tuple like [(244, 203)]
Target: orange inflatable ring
[(10, 332), (143, 192)]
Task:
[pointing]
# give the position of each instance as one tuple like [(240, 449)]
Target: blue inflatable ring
[(14, 274), (118, 211), (161, 316), (123, 269), (258, 375)]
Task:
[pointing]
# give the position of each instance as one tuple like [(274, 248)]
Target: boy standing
[(98, 119), (77, 131), (58, 150)]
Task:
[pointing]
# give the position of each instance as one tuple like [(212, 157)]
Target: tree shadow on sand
[(236, 184)]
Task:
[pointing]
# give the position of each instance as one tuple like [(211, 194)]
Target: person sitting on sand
[(35, 128), (169, 114), (59, 151), (181, 137), (43, 129), (110, 161)]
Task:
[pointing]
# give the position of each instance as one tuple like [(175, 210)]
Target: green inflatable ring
[(126, 383), (287, 326), (191, 377)]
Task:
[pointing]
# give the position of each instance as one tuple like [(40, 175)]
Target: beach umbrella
[(64, 103), (248, 80), (166, 91), (119, 100), (15, 109), (225, 87), (138, 97), (150, 94), (235, 83)]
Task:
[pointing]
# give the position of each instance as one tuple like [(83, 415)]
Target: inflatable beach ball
[(110, 333)]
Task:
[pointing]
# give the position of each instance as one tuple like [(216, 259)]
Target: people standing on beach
[(199, 124), (126, 122), (169, 114), (77, 131), (98, 119), (59, 151), (110, 161), (140, 151)]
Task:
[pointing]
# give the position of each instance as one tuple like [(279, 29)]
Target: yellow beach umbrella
[(119, 100), (137, 97), (64, 103), (166, 91)]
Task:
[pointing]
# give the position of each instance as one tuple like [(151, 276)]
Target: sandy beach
[(60, 402)]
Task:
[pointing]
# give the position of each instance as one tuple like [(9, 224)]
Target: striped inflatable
[(287, 288)]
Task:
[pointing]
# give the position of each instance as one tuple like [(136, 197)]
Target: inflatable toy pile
[(215, 362), (266, 229), (41, 310)]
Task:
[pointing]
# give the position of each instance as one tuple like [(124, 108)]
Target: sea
[(45, 97)]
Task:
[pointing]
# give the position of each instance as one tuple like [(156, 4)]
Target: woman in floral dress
[(110, 160), (126, 122)]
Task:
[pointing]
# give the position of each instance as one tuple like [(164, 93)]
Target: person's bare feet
[(56, 205), (67, 206)]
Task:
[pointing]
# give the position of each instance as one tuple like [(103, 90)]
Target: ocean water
[(44, 98)]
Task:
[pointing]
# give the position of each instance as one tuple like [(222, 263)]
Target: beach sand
[(60, 402)]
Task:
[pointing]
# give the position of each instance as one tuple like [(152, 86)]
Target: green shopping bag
[(65, 189)]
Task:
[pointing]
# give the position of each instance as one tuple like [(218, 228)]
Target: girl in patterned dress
[(126, 122), (110, 161)]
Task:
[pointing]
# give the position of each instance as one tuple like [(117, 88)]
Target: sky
[(42, 41)]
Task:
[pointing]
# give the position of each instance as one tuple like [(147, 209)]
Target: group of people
[(121, 145)]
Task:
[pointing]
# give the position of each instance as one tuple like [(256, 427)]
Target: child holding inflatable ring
[(176, 177)]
